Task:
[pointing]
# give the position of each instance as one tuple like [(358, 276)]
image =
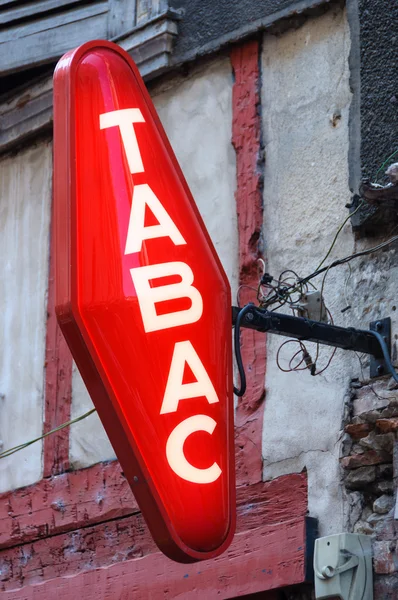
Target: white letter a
[(184, 352), (137, 232)]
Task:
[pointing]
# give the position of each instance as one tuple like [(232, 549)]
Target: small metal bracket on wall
[(378, 365)]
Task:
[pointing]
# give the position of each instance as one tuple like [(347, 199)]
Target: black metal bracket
[(302, 329), (378, 365)]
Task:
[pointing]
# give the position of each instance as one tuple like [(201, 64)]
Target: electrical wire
[(385, 162), (11, 451), (273, 294), (347, 304), (350, 257), (244, 285), (335, 263), (306, 357), (284, 290), (338, 233)]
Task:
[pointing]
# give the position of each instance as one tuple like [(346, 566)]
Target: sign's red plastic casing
[(126, 368)]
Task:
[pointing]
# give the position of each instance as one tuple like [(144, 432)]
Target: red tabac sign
[(143, 301)]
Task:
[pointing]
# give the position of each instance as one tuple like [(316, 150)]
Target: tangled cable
[(336, 263), (289, 290)]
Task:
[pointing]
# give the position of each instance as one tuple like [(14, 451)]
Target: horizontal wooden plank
[(26, 114), (10, 2), (121, 16), (47, 46), (77, 537), (54, 22), (100, 493), (147, 9), (65, 502), (103, 561), (19, 10), (150, 44)]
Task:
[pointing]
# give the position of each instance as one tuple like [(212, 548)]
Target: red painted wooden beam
[(118, 560), (246, 128), (64, 503), (100, 493), (91, 537), (265, 558), (58, 389)]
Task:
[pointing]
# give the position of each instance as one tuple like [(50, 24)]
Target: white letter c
[(175, 450)]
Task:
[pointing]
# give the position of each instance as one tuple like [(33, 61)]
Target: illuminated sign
[(143, 301)]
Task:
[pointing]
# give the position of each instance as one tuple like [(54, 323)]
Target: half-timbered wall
[(262, 131), (77, 522)]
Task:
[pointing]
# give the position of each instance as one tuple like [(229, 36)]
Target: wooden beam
[(64, 503), (118, 560), (53, 22), (121, 16), (27, 113), (45, 40), (15, 12), (77, 533), (58, 390), (65, 535), (9, 2), (99, 493), (246, 127)]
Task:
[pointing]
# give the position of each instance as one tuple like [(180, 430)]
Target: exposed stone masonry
[(370, 468)]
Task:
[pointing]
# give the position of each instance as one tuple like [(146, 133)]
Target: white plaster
[(196, 113), (89, 443), (25, 198), (305, 81)]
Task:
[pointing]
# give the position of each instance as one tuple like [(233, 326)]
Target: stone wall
[(369, 470)]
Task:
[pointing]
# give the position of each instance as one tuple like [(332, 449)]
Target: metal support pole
[(314, 331)]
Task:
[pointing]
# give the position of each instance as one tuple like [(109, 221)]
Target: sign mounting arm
[(376, 341)]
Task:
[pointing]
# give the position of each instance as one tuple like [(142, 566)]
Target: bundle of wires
[(288, 291)]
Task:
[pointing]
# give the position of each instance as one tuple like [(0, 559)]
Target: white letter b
[(148, 296)]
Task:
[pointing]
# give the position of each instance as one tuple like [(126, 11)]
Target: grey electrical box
[(312, 306), (343, 567)]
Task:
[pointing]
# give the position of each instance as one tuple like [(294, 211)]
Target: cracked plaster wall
[(196, 112), (305, 107)]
